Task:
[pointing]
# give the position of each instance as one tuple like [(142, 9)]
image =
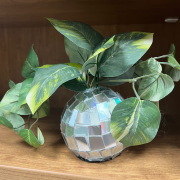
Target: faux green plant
[(95, 60)]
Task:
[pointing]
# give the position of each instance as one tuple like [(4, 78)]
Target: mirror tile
[(63, 126), (89, 94), (96, 91), (114, 156), (94, 130), (83, 118), (101, 98), (82, 144), (71, 101), (64, 139), (94, 116), (76, 102), (117, 149), (81, 131), (95, 154), (103, 111), (111, 105), (117, 100), (105, 127), (84, 155), (96, 143), (69, 131), (110, 93), (81, 107), (109, 140), (90, 102), (71, 143), (67, 116), (80, 96), (106, 152), (73, 118)]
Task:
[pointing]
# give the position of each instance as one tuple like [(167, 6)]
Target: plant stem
[(21, 125), (163, 56), (166, 63), (134, 89), (131, 80), (84, 82), (29, 121), (35, 121)]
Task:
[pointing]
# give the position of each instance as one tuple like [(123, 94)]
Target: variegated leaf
[(11, 120), (126, 51), (79, 33), (30, 63), (155, 87), (46, 82), (10, 101), (75, 53), (135, 122)]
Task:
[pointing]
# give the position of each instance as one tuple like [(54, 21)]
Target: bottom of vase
[(98, 161)]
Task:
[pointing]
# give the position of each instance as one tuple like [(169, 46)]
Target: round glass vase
[(85, 125)]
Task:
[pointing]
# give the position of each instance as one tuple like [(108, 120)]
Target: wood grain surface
[(49, 45), (94, 12), (158, 159)]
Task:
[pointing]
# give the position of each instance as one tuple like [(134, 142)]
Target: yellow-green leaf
[(46, 82), (135, 122)]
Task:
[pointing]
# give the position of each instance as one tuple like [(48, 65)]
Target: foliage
[(93, 59)]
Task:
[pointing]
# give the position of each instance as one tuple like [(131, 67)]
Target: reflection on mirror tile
[(106, 152), (82, 144), (120, 97), (80, 131), (69, 131), (103, 88), (94, 116), (110, 94), (83, 118), (62, 114), (81, 107), (73, 118), (64, 139), (96, 143), (94, 130), (84, 155), (105, 127), (117, 149), (63, 126), (118, 143), (89, 94), (103, 111), (111, 105), (117, 100), (96, 91), (75, 152), (101, 98), (109, 140), (80, 96), (71, 101), (95, 154), (90, 102), (71, 143), (67, 116), (76, 102)]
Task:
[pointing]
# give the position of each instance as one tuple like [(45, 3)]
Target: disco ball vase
[(85, 125)]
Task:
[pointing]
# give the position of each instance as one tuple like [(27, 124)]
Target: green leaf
[(30, 63), (75, 85), (75, 53), (126, 51), (10, 101), (31, 139), (11, 84), (5, 122), (46, 82), (79, 33), (156, 87), (174, 69), (25, 88), (101, 47), (127, 75), (14, 120), (135, 122), (43, 111)]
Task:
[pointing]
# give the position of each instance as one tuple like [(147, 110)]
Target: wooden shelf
[(94, 12), (157, 160)]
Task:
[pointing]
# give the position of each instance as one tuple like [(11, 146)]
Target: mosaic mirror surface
[(85, 124)]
